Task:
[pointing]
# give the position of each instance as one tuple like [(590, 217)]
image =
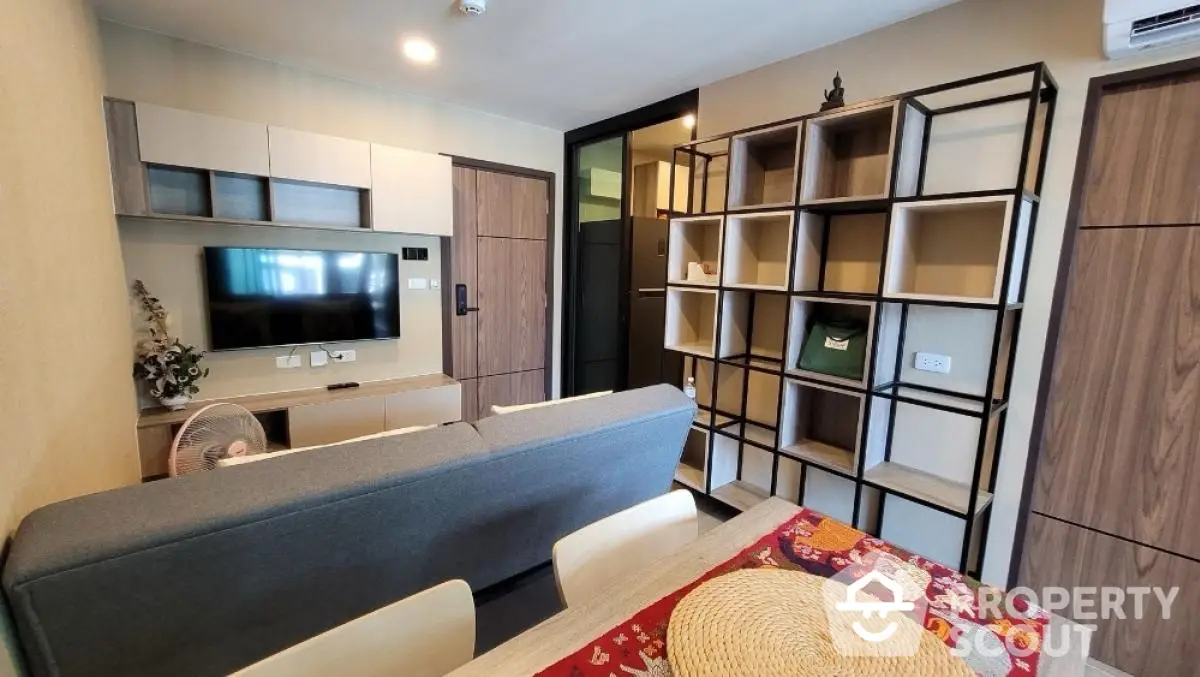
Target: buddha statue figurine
[(836, 97)]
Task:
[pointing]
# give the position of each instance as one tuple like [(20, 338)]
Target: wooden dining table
[(572, 629)]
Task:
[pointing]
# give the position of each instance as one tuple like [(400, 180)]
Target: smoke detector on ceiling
[(472, 7)]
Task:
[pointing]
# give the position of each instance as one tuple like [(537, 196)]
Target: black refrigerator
[(649, 363)]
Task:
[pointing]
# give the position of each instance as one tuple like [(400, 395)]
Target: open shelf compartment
[(728, 401), (953, 250), (693, 463), (707, 163), (691, 321), (848, 155), (807, 311), (821, 425), (841, 253), (764, 168), (749, 488), (757, 250), (695, 242)]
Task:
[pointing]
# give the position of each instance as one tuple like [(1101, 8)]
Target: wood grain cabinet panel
[(170, 136), (1062, 555), (130, 193), (1122, 428), (512, 206), (411, 192), (512, 304), (464, 341), (431, 406), (314, 424), (526, 387), (1145, 162), (318, 158)]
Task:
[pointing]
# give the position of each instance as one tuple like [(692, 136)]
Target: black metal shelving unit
[(889, 310)]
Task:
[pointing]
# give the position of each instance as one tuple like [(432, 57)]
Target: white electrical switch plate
[(434, 283), (939, 364), (318, 358), (288, 362), (343, 355), (418, 283)]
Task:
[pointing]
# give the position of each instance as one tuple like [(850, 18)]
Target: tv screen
[(278, 297)]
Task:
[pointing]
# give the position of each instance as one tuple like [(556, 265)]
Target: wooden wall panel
[(1145, 162), (512, 305), (470, 400), (128, 173), (463, 342), (524, 387), (1062, 555), (1123, 421), (512, 206)]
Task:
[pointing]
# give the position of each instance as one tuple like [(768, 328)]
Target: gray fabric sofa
[(205, 574)]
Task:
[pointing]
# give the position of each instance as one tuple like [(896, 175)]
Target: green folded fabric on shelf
[(835, 349)]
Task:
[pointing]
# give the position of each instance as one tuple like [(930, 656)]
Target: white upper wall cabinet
[(304, 156), (411, 192), (170, 136)]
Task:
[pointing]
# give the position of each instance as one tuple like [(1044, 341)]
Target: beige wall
[(66, 399), (965, 39), (143, 66)]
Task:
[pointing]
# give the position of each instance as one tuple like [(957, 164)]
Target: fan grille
[(215, 432)]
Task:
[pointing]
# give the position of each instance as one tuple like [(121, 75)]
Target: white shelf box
[(821, 425), (955, 250), (757, 467), (708, 165), (932, 454), (693, 464), (757, 250), (848, 155), (768, 333), (765, 168), (691, 321), (807, 310), (695, 240)]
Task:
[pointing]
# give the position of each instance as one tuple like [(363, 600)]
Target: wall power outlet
[(343, 355), (938, 364)]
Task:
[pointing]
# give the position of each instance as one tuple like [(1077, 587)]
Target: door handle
[(460, 301)]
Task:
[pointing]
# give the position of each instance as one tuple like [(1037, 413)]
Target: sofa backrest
[(205, 574)]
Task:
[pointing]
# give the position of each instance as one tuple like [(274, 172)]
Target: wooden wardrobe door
[(513, 206), (1122, 426), (464, 329), (1145, 162)]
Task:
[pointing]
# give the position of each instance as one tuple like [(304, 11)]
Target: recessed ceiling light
[(420, 50), (689, 121)]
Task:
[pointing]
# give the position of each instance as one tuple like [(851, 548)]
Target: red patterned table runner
[(822, 546)]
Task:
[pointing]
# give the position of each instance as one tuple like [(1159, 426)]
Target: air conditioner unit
[(1134, 25), (602, 183)]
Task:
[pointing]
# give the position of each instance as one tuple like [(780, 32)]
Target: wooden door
[(1115, 490), (499, 251)]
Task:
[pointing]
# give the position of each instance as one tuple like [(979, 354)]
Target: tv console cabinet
[(314, 416)]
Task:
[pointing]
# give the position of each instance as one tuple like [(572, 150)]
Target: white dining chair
[(426, 635), (589, 559)]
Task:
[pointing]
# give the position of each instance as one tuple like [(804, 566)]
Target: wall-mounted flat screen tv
[(280, 297)]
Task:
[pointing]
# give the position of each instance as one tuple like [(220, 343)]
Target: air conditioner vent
[(1158, 22)]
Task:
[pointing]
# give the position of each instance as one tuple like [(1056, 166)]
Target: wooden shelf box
[(848, 155), (805, 311), (728, 396), (757, 251), (851, 262), (694, 461), (954, 250), (708, 165), (768, 331), (749, 487), (764, 168), (821, 425), (695, 240), (691, 321)]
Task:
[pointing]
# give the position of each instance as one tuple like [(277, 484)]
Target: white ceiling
[(557, 63)]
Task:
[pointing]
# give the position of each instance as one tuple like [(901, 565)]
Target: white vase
[(176, 402)]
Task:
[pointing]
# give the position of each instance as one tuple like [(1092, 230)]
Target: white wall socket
[(288, 362), (939, 364), (318, 358), (343, 355)]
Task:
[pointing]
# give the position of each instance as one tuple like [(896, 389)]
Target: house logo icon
[(876, 607), (868, 609)]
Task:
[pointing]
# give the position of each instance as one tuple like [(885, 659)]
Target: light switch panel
[(418, 283), (318, 358)]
